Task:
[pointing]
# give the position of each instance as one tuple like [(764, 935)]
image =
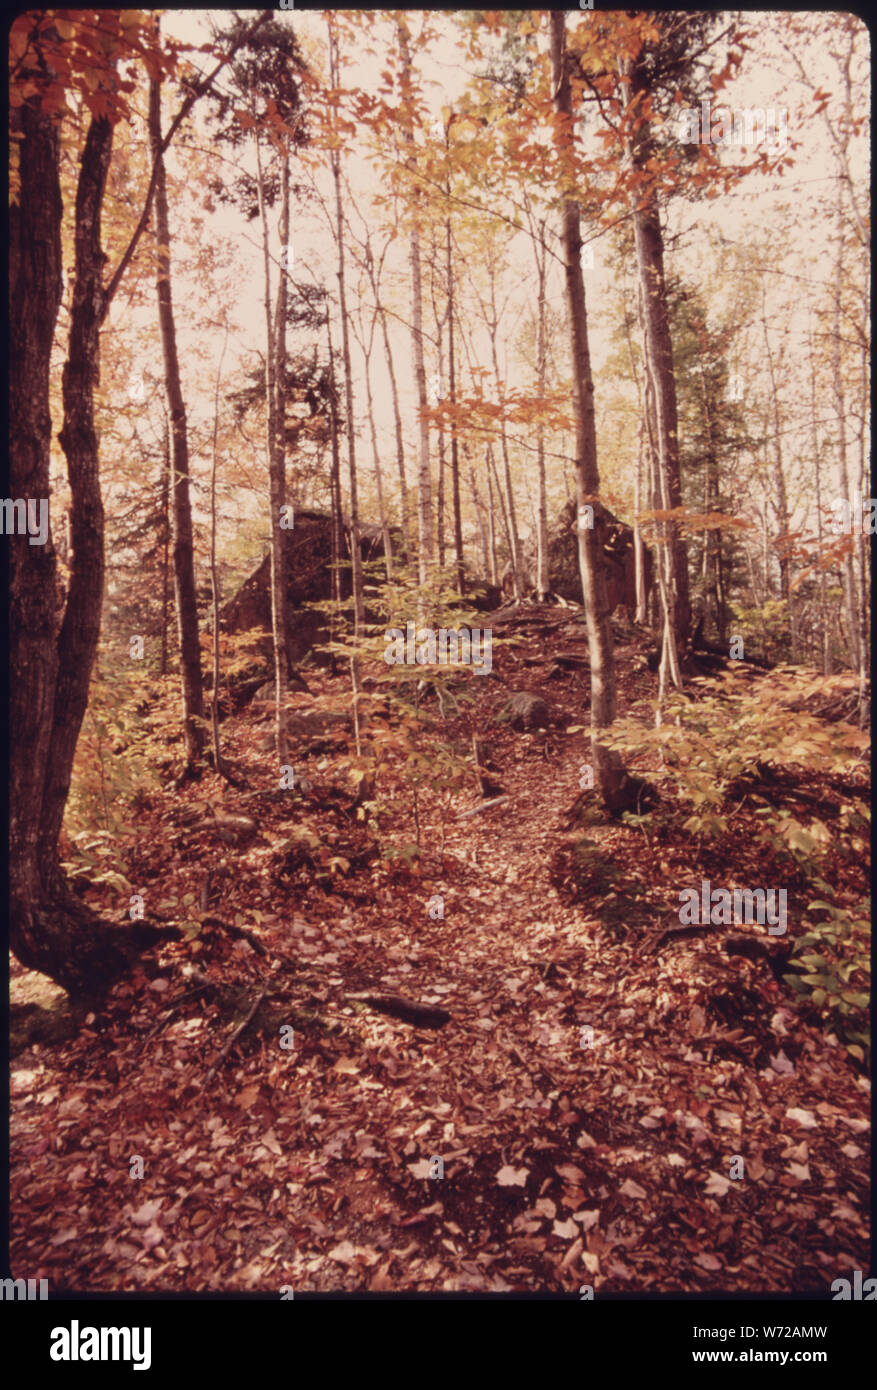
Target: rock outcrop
[(563, 561)]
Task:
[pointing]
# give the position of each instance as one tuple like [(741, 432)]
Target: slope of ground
[(613, 1102)]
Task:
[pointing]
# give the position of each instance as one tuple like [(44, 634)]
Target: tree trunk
[(659, 347), (660, 498), (165, 534), (335, 493), (491, 521), (542, 578), (424, 481), (214, 574), (452, 388), (638, 545), (781, 505), (497, 491), (440, 490), (478, 507), (184, 562), (610, 778), (50, 665), (511, 518), (376, 455), (840, 410), (275, 334), (400, 444), (355, 549)]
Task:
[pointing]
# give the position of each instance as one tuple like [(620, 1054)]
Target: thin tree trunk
[(781, 505), (218, 762), (650, 265), (374, 275), (660, 502), (491, 522), (543, 579), (165, 544), (840, 410), (639, 556), (864, 572), (400, 444), (512, 520), (610, 778), (479, 515), (376, 456), (424, 481), (355, 548), (452, 387), (440, 490), (817, 472), (491, 464), (184, 559), (274, 330), (335, 493)]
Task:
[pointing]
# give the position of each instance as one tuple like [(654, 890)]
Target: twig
[(234, 930), (419, 1015), (235, 1035), (485, 806)]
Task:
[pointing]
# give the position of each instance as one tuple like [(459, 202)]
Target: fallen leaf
[(805, 1118), (146, 1214), (781, 1064), (587, 1218), (512, 1177), (565, 1229), (629, 1188), (570, 1172)]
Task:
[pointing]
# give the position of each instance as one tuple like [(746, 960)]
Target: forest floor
[(591, 1098)]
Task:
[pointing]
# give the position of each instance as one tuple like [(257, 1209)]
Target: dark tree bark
[(51, 661), (184, 557), (50, 664)]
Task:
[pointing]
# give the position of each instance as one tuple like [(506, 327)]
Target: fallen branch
[(673, 933), (419, 1015), (234, 930), (485, 806), (235, 1035)]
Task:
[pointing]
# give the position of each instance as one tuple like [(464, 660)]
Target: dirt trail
[(609, 1163)]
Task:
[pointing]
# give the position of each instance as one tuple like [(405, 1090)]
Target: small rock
[(524, 710)]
